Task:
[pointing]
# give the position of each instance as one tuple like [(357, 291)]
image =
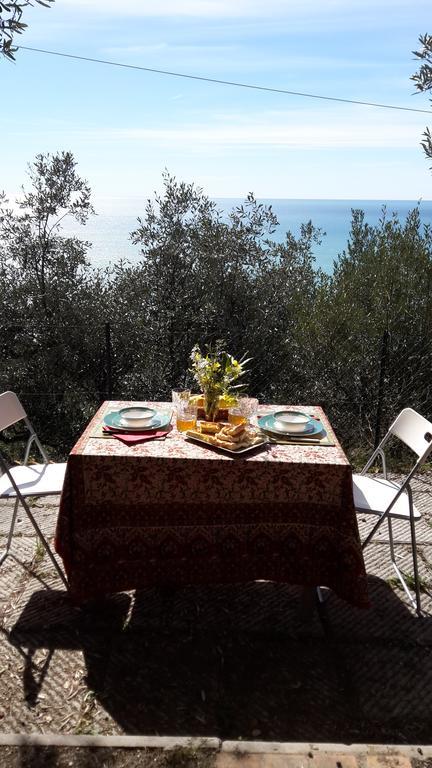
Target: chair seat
[(34, 480), (373, 495)]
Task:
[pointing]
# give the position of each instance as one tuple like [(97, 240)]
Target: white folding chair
[(26, 480), (389, 500)]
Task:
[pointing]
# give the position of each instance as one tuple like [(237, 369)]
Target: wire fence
[(361, 395)]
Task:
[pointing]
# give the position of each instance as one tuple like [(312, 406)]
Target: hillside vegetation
[(358, 342)]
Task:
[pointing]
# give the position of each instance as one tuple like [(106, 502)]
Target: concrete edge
[(131, 742), (212, 743), (303, 748)]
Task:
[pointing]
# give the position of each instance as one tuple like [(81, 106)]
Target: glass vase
[(211, 405)]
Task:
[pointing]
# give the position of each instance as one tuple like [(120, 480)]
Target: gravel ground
[(237, 662), (64, 757)]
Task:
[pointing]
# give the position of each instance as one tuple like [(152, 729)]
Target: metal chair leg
[(321, 595), (416, 603), (391, 542), (39, 533), (415, 564), (47, 546), (10, 534)]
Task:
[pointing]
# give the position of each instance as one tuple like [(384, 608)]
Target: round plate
[(140, 412), (305, 420), (160, 421), (306, 431), (267, 424)]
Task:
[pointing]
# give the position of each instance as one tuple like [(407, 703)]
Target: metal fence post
[(381, 381), (108, 360)]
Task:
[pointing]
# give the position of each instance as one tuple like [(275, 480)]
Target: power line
[(225, 82)]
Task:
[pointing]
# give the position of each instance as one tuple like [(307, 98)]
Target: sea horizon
[(109, 231)]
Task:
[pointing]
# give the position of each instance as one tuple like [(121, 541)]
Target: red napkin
[(133, 438)]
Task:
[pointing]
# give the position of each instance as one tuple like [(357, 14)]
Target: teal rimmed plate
[(267, 424), (160, 421)]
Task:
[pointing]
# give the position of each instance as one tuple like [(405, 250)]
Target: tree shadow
[(37, 757), (30, 756), (238, 662)]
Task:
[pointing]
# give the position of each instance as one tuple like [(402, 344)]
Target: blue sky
[(125, 127)]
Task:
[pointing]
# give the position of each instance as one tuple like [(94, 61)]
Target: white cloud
[(290, 130)]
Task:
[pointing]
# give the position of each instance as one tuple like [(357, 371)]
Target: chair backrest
[(11, 410), (414, 430)]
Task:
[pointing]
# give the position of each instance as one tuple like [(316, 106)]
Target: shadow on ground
[(100, 757), (238, 662)]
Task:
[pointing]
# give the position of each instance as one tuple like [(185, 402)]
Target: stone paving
[(235, 662)]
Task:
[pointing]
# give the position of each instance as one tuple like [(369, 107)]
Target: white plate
[(293, 432), (142, 416), (113, 419), (155, 422)]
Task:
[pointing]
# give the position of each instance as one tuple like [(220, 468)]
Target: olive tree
[(11, 23), (423, 82), (373, 331), (50, 296), (206, 275)]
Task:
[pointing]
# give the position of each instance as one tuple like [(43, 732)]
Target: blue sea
[(109, 232)]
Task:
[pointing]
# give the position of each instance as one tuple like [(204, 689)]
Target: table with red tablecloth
[(172, 512)]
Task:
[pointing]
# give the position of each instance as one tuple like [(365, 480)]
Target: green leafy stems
[(215, 373)]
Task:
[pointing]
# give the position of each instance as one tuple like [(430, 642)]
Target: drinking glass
[(251, 407), (180, 394), (186, 417), (244, 410), (236, 415)]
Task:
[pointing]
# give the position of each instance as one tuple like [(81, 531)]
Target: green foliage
[(198, 274), (217, 370), (380, 290), (10, 23), (358, 342), (423, 82), (49, 297)]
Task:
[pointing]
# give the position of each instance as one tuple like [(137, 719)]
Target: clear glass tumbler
[(186, 417), (180, 394), (244, 410)]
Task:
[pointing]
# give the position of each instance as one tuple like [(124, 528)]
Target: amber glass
[(186, 416), (236, 418), (184, 423)]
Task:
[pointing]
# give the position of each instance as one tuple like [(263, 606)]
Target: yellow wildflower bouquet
[(215, 372)]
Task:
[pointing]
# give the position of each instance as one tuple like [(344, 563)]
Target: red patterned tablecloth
[(171, 512)]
